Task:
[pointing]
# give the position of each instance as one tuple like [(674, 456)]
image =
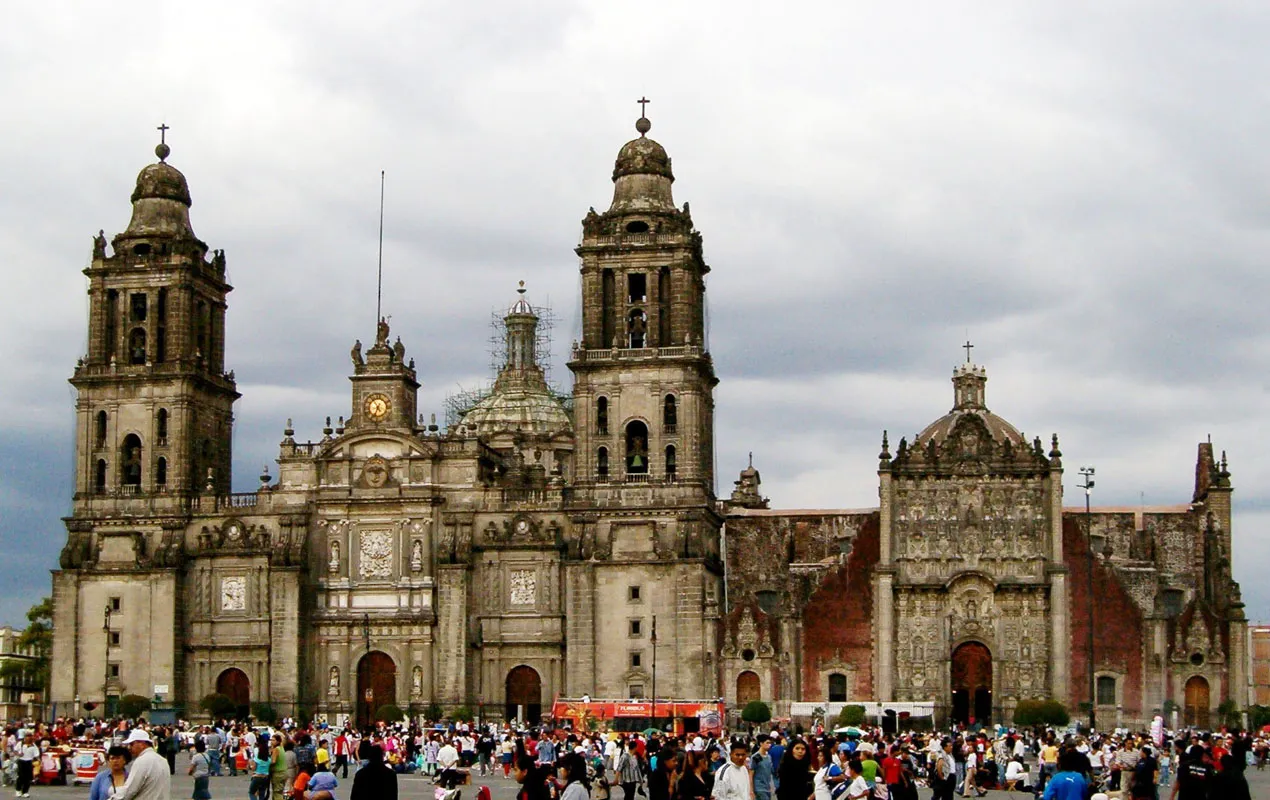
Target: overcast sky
[(1079, 187)]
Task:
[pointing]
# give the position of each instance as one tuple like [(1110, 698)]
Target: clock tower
[(644, 419), (385, 386)]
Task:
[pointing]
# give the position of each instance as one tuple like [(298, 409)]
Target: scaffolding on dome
[(464, 400)]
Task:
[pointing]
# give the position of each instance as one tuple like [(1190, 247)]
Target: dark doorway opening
[(234, 684), (524, 693), (972, 684), (376, 686)]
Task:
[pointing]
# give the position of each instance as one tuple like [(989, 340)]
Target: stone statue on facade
[(99, 244), (416, 556), (356, 354), (333, 565), (333, 683), (381, 333)]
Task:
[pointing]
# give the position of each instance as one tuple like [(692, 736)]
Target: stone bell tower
[(644, 421), (155, 407)]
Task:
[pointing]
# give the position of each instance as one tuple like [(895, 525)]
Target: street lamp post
[(653, 640), (1087, 477), (105, 686)]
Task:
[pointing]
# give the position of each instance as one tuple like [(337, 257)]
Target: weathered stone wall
[(1119, 630), (837, 621)]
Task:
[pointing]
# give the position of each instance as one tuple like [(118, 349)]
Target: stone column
[(884, 608), (1060, 636)]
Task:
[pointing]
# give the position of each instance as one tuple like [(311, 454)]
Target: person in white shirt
[(732, 781), (859, 787), (1015, 776), (148, 777), (28, 761)]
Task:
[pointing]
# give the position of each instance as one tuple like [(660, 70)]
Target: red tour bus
[(679, 716)]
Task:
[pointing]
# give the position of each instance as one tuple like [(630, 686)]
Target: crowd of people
[(309, 762)]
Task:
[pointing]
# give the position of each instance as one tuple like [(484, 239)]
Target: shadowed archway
[(972, 683)]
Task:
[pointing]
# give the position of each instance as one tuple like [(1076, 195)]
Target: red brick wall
[(1118, 626), (838, 620)]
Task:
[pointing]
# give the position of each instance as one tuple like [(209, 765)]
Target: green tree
[(1040, 712), (132, 706), (433, 712), (1228, 714), (756, 712), (1258, 717), (463, 714), (38, 640), (264, 712), (850, 715), (389, 713), (218, 705)]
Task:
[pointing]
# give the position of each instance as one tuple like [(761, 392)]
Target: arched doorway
[(747, 688), (1196, 708), (234, 684), (524, 694), (971, 683), (376, 685)]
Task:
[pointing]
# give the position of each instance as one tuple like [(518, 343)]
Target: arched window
[(161, 426), (670, 461), (602, 463), (636, 448), (99, 431), (837, 687), (99, 476), (1106, 690), (161, 472), (602, 415), (137, 346), (636, 329), (132, 460), (669, 414)]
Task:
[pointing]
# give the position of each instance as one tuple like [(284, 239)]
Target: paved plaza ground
[(411, 787)]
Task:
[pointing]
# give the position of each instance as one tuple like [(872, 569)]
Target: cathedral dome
[(161, 202), (969, 381), (642, 175), (642, 156)]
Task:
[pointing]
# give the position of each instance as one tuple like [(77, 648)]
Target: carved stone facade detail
[(376, 554), (524, 587), (233, 593)]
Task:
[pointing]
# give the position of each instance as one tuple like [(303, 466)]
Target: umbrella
[(651, 732), (849, 730)]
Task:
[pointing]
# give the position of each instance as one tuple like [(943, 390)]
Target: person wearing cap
[(148, 778)]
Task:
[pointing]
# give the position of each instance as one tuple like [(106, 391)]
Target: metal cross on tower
[(643, 102), (968, 347), (163, 133)]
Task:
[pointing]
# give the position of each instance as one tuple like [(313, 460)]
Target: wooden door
[(376, 686), (1196, 709)]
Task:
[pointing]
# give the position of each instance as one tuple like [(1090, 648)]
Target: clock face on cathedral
[(377, 407)]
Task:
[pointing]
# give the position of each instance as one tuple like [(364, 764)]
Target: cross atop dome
[(642, 124)]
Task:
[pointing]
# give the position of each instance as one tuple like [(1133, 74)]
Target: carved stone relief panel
[(233, 593), (524, 587), (995, 525), (376, 554)]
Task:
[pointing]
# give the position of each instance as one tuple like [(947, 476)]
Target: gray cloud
[(1080, 187)]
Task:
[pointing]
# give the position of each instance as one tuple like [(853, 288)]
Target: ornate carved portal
[(376, 686), (524, 695), (971, 684)]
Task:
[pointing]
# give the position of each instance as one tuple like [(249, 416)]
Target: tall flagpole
[(379, 287)]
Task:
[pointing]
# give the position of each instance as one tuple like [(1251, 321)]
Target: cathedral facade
[(542, 546)]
